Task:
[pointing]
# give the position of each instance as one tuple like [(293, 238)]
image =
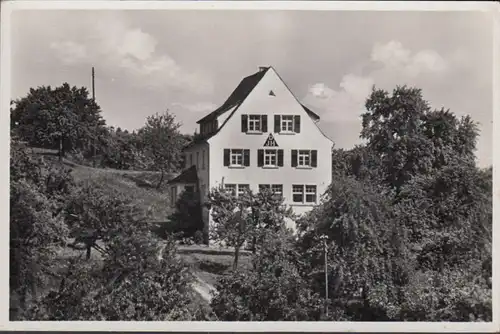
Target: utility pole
[(95, 133), (325, 238)]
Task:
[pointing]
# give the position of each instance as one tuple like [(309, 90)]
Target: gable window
[(270, 158), (253, 123), (304, 193), (236, 157), (287, 124), (274, 188), (304, 158)]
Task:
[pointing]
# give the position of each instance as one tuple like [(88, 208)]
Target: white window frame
[(231, 187), (309, 192), (254, 124), (235, 155), (295, 192), (272, 187), (304, 158), (286, 123), (278, 192), (269, 154), (241, 188), (304, 191)]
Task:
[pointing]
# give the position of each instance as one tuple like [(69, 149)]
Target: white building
[(262, 136)]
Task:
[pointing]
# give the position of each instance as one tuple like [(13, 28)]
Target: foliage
[(36, 228), (273, 291), (186, 219), (246, 218), (409, 138), (63, 117), (162, 142)]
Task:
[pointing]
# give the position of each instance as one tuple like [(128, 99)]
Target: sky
[(188, 62)]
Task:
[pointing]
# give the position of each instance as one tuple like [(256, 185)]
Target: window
[(304, 158), (310, 194), (189, 189), (231, 188), (197, 159), (236, 157), (287, 123), (304, 193), (253, 123), (190, 159), (275, 188), (242, 188), (203, 160), (298, 193), (237, 189), (270, 158)]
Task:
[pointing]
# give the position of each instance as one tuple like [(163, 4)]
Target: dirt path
[(200, 286)]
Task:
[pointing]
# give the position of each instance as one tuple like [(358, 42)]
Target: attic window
[(271, 93)]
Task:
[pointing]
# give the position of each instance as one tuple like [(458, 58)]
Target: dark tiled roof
[(238, 95), (187, 176)]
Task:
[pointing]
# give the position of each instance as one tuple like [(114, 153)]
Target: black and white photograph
[(255, 162)]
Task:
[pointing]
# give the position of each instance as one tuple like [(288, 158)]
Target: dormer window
[(253, 123)]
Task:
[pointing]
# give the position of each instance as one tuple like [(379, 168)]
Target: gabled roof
[(236, 99), (187, 176)]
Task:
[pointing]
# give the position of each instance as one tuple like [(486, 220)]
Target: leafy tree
[(186, 219), (409, 138), (245, 219), (162, 142), (36, 227), (63, 117), (274, 290)]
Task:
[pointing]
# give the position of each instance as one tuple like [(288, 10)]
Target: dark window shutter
[(260, 158), (246, 158), (314, 158), (277, 125), (226, 156), (264, 123), (244, 123), (296, 126), (294, 158), (280, 158)]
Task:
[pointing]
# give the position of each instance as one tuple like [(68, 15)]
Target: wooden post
[(95, 134)]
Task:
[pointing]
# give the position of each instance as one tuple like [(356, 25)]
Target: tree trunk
[(60, 148), (161, 179), (236, 256)]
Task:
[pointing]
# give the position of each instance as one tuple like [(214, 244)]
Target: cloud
[(344, 104), (389, 64), (121, 48), (394, 56)]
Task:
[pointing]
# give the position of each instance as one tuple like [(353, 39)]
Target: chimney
[(262, 68)]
